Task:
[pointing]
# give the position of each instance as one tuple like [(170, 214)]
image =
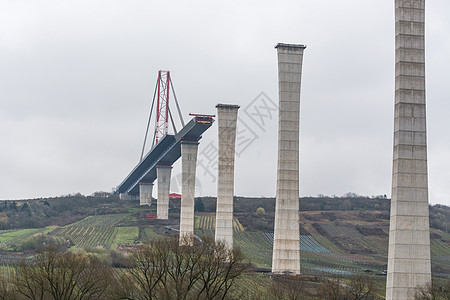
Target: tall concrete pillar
[(145, 193), (409, 264), (163, 174), (188, 167), (127, 197), (227, 119), (286, 245)]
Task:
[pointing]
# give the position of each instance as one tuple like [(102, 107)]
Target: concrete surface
[(127, 197), (409, 264), (227, 120), (145, 193), (163, 174), (188, 167), (286, 246)]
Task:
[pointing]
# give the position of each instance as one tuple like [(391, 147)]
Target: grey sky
[(77, 77)]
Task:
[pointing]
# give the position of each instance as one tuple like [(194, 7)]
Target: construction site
[(409, 262)]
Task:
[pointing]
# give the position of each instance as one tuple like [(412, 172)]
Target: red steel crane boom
[(162, 105)]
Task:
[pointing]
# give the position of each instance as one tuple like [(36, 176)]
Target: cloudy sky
[(77, 79)]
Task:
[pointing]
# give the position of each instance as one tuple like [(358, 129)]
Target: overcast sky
[(77, 79)]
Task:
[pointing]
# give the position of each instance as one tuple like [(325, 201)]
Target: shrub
[(40, 241), (260, 212)]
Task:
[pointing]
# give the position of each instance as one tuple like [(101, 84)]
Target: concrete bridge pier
[(127, 197), (409, 263), (163, 174), (286, 245), (189, 151), (145, 193), (227, 120)]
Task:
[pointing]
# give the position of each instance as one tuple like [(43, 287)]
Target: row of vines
[(307, 243), (14, 237), (209, 223), (93, 231), (88, 236)]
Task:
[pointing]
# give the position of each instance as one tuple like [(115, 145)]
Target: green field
[(148, 233), (100, 221), (98, 231), (326, 249), (340, 251), (93, 231), (208, 222), (14, 237), (126, 235), (100, 236)]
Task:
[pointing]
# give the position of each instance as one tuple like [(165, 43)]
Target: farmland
[(208, 222), (307, 243), (337, 243), (86, 236), (93, 231), (12, 238), (100, 221), (126, 235), (326, 248)]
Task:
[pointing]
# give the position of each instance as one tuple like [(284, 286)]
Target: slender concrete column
[(163, 174), (227, 119), (145, 193), (188, 167), (127, 197), (286, 245), (409, 264)]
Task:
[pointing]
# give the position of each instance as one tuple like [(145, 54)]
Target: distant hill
[(330, 208), (59, 211), (35, 213), (340, 236)]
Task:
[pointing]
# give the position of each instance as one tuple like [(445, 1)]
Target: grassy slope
[(126, 234), (11, 237), (351, 251)]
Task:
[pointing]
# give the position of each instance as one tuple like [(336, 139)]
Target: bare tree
[(163, 269), (331, 289), (146, 273), (358, 288), (28, 283), (433, 291), (183, 267), (56, 275), (6, 293), (219, 268), (361, 288), (166, 269), (287, 287)]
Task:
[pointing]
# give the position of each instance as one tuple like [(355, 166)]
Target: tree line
[(36, 213), (163, 269)]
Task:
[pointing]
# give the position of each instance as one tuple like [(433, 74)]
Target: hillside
[(340, 236)]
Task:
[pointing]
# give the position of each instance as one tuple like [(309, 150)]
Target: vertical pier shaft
[(286, 246), (227, 120), (145, 193), (409, 264), (189, 151), (162, 207)]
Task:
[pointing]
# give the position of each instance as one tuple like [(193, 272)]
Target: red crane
[(162, 91), (162, 105)]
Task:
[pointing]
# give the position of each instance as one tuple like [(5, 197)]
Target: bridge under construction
[(164, 153), (167, 149)]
